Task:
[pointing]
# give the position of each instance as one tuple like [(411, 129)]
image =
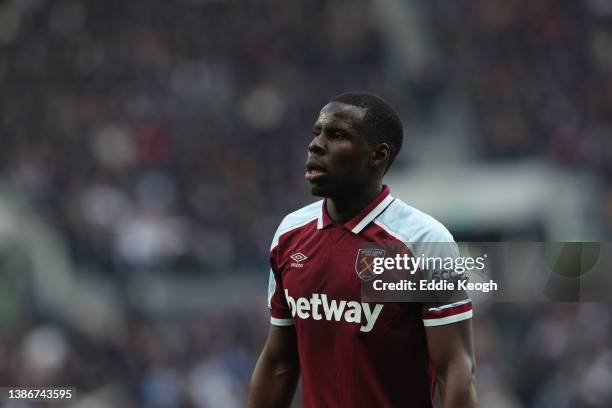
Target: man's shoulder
[(410, 224), (304, 214), (297, 219)]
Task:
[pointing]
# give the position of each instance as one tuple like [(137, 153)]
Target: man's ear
[(380, 155)]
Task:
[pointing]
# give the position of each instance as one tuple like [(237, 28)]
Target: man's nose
[(316, 146)]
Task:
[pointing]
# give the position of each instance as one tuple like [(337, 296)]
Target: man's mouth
[(314, 170)]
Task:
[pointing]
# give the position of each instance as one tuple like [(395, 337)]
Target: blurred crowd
[(527, 356), (171, 135), (539, 78), (199, 360), (162, 135)]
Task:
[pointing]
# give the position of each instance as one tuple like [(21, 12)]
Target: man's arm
[(451, 350), (277, 371)]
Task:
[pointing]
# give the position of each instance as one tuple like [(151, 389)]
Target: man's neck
[(343, 210)]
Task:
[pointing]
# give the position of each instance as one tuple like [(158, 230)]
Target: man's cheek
[(346, 162)]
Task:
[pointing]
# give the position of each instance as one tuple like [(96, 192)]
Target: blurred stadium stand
[(150, 148)]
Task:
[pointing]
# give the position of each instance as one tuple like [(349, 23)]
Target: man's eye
[(337, 134)]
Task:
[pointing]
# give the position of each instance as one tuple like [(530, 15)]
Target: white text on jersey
[(350, 311)]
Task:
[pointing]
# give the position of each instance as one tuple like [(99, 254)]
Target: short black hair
[(381, 122)]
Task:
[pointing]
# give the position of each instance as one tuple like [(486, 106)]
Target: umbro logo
[(299, 258)]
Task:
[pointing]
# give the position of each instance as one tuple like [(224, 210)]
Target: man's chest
[(326, 264), (322, 277)]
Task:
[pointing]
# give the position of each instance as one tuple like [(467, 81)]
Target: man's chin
[(332, 189), (321, 190)]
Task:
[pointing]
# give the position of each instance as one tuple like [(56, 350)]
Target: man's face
[(339, 154)]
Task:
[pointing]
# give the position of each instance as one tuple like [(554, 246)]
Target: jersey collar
[(364, 217)]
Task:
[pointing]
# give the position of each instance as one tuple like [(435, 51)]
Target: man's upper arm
[(448, 318), (450, 344), (277, 371), (281, 345)]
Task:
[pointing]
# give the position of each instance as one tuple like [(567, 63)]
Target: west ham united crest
[(364, 263)]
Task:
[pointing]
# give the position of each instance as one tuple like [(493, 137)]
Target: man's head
[(355, 139)]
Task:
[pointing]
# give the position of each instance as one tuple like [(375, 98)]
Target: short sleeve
[(427, 238), (439, 243), (280, 314), (441, 314)]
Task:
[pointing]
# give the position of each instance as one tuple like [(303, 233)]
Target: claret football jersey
[(354, 353)]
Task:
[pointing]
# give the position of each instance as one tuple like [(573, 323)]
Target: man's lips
[(314, 170), (313, 174)]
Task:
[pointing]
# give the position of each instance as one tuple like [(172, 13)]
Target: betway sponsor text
[(318, 307)]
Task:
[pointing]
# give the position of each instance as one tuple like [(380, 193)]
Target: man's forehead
[(337, 110)]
